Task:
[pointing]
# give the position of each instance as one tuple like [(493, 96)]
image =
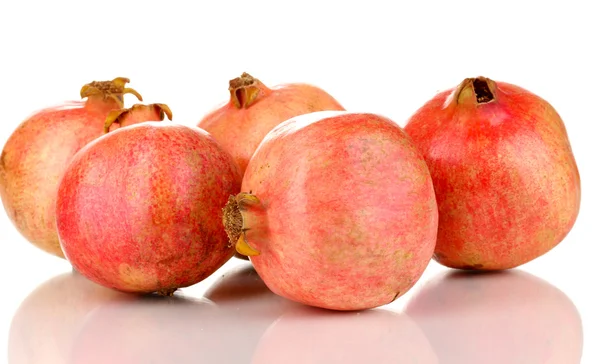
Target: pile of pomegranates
[(335, 209)]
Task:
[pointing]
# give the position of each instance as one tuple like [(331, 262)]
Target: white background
[(371, 55)]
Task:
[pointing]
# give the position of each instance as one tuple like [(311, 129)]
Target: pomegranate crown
[(118, 115), (114, 89)]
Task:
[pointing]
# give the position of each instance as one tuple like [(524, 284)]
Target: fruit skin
[(138, 209), (254, 109), (507, 184), (497, 318), (39, 150), (341, 214)]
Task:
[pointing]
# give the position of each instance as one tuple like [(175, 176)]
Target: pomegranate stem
[(482, 90), (244, 90), (233, 221)]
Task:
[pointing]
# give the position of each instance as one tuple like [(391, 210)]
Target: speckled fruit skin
[(507, 185), (254, 109), (497, 318), (138, 209), (37, 154), (347, 217)]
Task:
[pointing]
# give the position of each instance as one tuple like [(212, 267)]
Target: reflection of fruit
[(505, 317), (243, 286), (248, 307), (316, 336), (178, 330), (151, 329), (45, 324)]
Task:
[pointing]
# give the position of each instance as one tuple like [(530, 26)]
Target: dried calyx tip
[(167, 292), (114, 89), (244, 80), (244, 90), (482, 90), (117, 116), (232, 220)]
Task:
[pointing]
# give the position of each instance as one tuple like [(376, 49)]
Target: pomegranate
[(338, 211), (46, 324), (254, 109), (375, 336), (138, 209), (498, 318), (37, 153), (507, 185)]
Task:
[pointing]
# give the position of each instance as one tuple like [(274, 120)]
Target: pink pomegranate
[(337, 211), (254, 109), (506, 181), (138, 209), (37, 153)]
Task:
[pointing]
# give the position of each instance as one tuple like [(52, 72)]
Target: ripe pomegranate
[(338, 211), (37, 153), (506, 181), (498, 318), (46, 324), (254, 109), (138, 209), (375, 336)]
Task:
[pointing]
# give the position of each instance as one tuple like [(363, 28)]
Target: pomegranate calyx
[(244, 90), (477, 91), (114, 89), (117, 116), (233, 221), (166, 292)]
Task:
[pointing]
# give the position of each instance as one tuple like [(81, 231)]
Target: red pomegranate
[(254, 109), (138, 209), (498, 318), (338, 211), (37, 153), (506, 181)]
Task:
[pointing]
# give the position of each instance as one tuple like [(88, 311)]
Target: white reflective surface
[(510, 317)]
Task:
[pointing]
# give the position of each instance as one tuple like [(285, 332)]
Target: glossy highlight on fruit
[(337, 211), (138, 209), (507, 184), (39, 150), (254, 109)]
